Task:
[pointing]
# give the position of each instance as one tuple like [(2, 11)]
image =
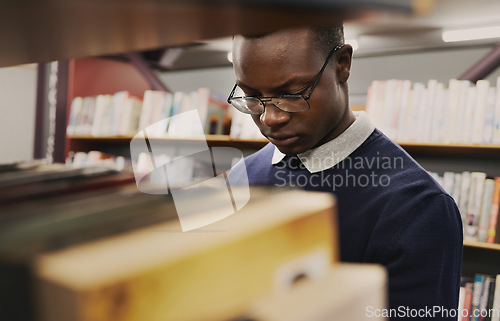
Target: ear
[(343, 66)]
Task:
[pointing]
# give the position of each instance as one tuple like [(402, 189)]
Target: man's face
[(288, 62)]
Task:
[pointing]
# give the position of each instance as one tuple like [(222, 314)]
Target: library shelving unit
[(95, 76)]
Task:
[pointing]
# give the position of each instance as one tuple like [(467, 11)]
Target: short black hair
[(328, 38)]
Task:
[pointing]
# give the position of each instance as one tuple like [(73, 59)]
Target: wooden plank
[(459, 150), (482, 245), (160, 273), (42, 31), (349, 292)]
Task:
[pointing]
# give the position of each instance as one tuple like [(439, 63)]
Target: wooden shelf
[(42, 31), (459, 150), (482, 245), (413, 148), (212, 140)]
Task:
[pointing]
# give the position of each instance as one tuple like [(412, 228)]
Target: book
[(375, 101), (101, 115), (474, 205), (479, 114), (74, 115), (461, 299), (216, 108), (438, 114), (84, 126), (392, 96), (457, 184), (129, 117), (419, 105), (449, 182), (460, 126), (489, 116), (483, 301), (496, 300), (429, 110), (484, 216), (425, 112), (479, 280), (464, 196), (467, 307), (405, 110), (469, 116), (153, 102), (243, 127), (491, 296), (451, 110), (496, 124), (495, 206)]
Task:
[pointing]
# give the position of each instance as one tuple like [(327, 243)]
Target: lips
[(283, 140)]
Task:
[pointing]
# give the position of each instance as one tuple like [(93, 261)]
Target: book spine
[(466, 314), (474, 205), (495, 204), (484, 216), (496, 300), (496, 125), (489, 117), (482, 88), (476, 296), (483, 302)]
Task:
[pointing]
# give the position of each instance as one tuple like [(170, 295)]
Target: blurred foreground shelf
[(41, 31)]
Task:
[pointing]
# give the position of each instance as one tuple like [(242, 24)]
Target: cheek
[(256, 120)]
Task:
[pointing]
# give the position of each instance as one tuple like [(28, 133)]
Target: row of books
[(461, 112), (96, 158), (478, 199), (243, 127), (182, 173), (124, 114), (479, 298)]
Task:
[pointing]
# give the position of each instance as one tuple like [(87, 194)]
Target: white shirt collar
[(336, 150)]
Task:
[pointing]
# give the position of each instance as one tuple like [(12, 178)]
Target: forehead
[(276, 56)]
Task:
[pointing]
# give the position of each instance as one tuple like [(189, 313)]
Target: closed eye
[(300, 91)]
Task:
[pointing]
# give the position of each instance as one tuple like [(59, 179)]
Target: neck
[(345, 121)]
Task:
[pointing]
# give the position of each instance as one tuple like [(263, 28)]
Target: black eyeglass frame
[(263, 100)]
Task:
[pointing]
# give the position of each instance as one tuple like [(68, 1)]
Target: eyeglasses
[(290, 103)]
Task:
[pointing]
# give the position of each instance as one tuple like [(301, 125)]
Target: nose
[(273, 116)]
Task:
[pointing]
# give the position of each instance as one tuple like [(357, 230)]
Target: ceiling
[(376, 34)]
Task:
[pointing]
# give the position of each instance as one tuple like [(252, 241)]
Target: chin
[(292, 149)]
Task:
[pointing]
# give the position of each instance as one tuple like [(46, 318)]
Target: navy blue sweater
[(391, 212)]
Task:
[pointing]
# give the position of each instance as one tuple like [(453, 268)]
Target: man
[(391, 212)]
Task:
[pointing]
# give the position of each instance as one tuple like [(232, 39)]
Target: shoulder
[(405, 193), (379, 153), (264, 153), (255, 166)]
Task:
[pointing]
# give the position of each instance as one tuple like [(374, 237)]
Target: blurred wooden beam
[(42, 31)]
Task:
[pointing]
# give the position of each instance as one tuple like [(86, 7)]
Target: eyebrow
[(285, 85)]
